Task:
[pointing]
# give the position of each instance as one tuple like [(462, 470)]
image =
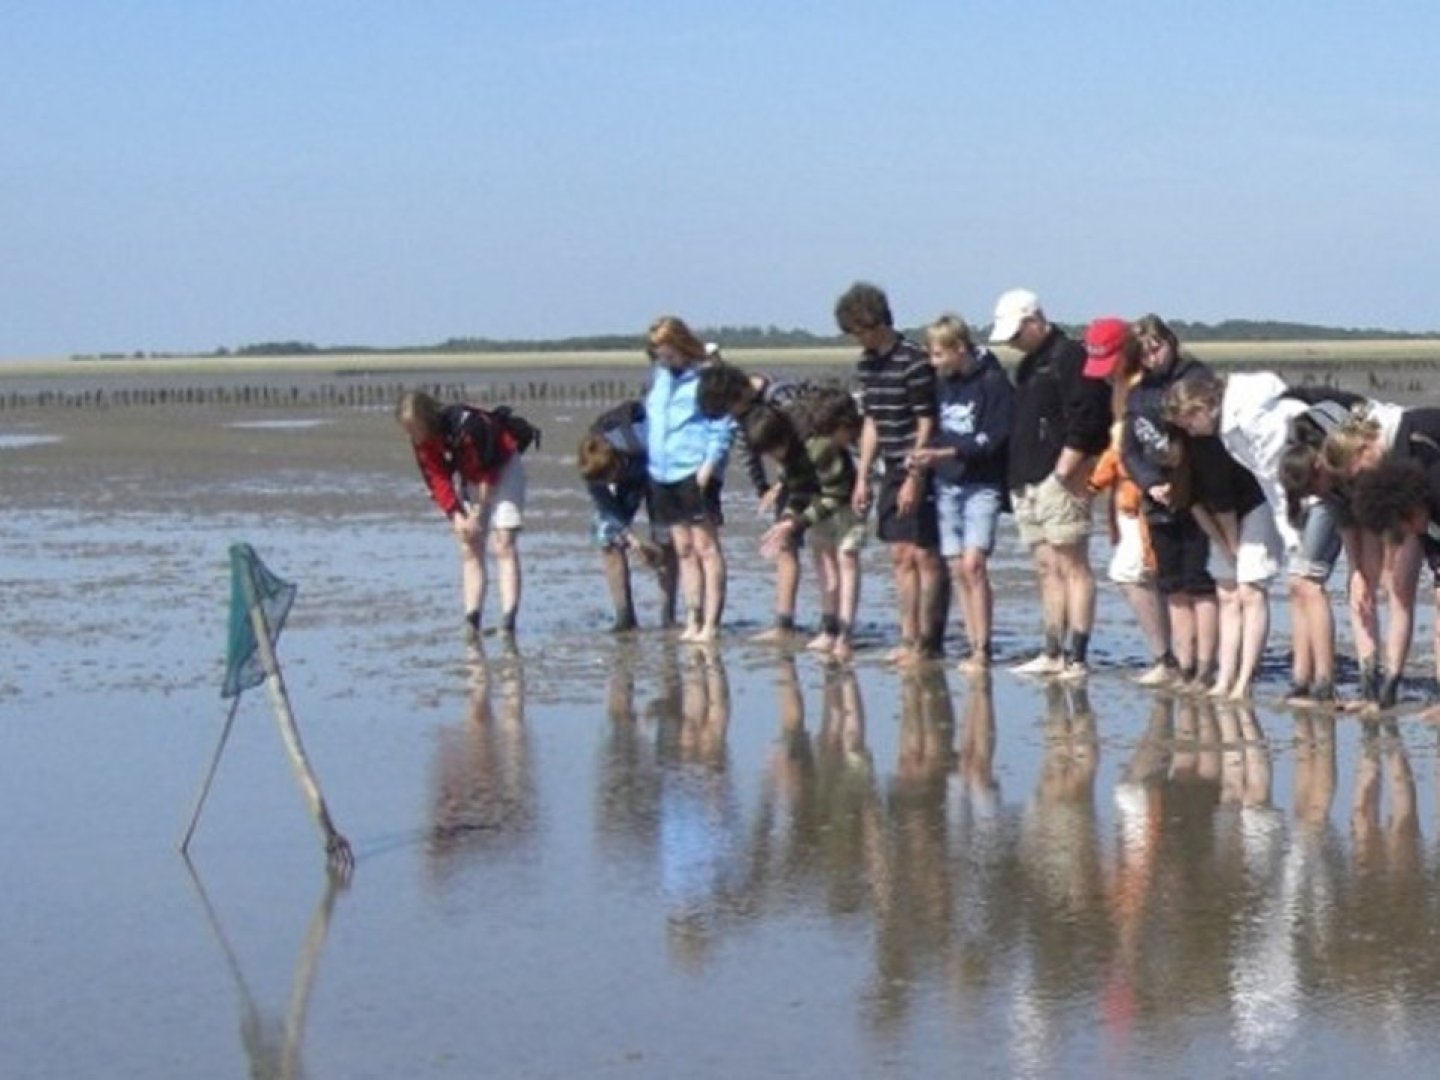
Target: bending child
[(816, 504), (613, 463), (481, 450)]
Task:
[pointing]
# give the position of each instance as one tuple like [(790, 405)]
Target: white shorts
[(1127, 561), (1260, 555), (507, 500)]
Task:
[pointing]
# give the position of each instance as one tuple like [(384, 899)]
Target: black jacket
[(1056, 408), (1146, 440)]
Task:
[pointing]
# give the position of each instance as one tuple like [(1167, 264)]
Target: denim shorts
[(1319, 546), (968, 513)]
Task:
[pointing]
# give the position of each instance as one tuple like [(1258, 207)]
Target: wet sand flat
[(623, 856)]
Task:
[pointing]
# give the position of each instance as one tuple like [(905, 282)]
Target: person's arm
[(908, 497), (1086, 411), (434, 466), (754, 466), (864, 463), (719, 435), (1144, 441)]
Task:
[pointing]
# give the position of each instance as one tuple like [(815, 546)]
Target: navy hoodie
[(976, 414)]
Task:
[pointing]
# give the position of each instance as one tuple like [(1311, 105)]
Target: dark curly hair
[(863, 306), (723, 390), (1386, 499)]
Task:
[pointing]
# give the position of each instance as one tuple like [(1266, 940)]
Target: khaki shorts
[(507, 497), (842, 530), (1260, 555), (1048, 513)]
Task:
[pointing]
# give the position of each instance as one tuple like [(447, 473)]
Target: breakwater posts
[(561, 393)]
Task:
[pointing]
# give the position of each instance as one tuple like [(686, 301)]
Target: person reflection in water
[(1059, 843), (484, 790), (701, 855), (913, 898), (627, 802)]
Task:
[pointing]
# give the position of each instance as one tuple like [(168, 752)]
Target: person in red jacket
[(470, 461)]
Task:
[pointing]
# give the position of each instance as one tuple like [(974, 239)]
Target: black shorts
[(1182, 552), (920, 527), (683, 503)]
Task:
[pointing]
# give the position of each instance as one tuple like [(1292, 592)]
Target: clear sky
[(196, 173)]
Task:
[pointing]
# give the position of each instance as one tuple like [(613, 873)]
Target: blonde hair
[(1344, 445), (948, 331), (1201, 392), (672, 332)]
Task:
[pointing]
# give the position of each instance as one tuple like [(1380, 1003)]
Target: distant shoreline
[(1419, 351)]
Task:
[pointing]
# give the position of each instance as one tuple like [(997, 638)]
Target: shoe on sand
[(1159, 675), (1041, 665)]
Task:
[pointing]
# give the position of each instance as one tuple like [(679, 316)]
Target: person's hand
[(1069, 483), (769, 499), (908, 497), (466, 524), (860, 497), (1160, 493), (704, 475), (647, 553), (776, 537)]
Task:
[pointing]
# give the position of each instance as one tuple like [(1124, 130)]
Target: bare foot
[(1220, 690), (773, 636), (901, 653), (973, 665), (1240, 693), (821, 643), (706, 635), (844, 650)]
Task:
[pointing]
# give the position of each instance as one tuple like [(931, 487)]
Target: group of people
[(1218, 485)]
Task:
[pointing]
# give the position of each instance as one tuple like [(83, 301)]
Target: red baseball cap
[(1104, 343)]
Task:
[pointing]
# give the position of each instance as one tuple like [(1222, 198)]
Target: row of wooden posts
[(1393, 379), (598, 392)]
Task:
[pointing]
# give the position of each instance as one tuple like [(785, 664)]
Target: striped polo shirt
[(896, 390)]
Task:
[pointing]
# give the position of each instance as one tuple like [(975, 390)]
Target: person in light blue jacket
[(687, 453)]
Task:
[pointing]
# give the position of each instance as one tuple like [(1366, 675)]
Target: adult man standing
[(897, 399), (1062, 423)]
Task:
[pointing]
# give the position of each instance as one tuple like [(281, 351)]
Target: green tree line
[(768, 337)]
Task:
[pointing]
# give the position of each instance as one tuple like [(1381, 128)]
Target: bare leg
[(711, 556), (1401, 578), (617, 580), (505, 546), (906, 573), (1181, 609), (1149, 611), (667, 576), (1255, 628), (1367, 558), (692, 582), (1207, 630), (827, 575), (849, 563), (978, 602), (1302, 656), (472, 575), (1231, 629), (933, 601)]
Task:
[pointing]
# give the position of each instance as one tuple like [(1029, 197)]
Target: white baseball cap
[(1013, 308)]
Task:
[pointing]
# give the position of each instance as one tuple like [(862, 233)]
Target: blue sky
[(184, 175)]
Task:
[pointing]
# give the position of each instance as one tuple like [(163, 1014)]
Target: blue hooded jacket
[(680, 438)]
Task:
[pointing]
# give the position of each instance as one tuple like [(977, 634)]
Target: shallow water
[(629, 857)]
